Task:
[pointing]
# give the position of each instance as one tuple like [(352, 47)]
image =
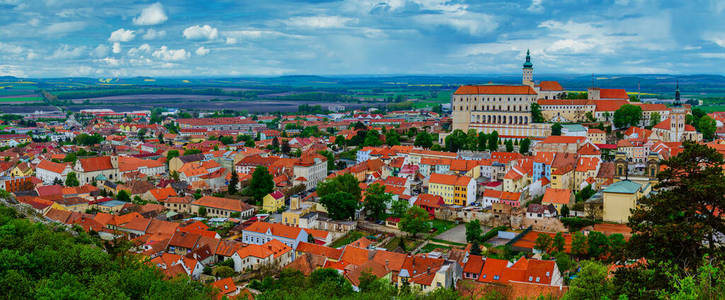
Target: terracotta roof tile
[(495, 90)]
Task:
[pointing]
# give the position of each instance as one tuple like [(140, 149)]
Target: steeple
[(528, 64), (677, 93)]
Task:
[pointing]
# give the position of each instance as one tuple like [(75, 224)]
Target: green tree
[(202, 211), (707, 127), (558, 242), (233, 182), (227, 139), (123, 195), (376, 201), (473, 231), (399, 207), (493, 141), (415, 221), (423, 140), (475, 247), (223, 271), (171, 154), (563, 261), (598, 244), (654, 119), (392, 138), (482, 141), (556, 129), (627, 115), (261, 184), (509, 146), (342, 183), (524, 146), (70, 157), (536, 116), (542, 242), (590, 283), (372, 139), (579, 244), (285, 147), (71, 179), (456, 140), (565, 211), (249, 144), (340, 205), (684, 212), (617, 246)]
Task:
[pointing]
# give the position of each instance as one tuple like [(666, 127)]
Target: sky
[(100, 38)]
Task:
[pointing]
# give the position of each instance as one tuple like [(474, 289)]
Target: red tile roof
[(495, 90), (550, 86), (558, 196), (96, 163), (276, 229)]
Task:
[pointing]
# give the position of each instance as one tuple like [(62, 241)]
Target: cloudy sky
[(100, 38)]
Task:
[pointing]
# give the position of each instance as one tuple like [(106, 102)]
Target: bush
[(576, 223), (492, 233)]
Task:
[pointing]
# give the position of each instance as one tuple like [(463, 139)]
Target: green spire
[(528, 64)]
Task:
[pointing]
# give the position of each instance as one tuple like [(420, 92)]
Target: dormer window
[(531, 278), (495, 277), (537, 279)]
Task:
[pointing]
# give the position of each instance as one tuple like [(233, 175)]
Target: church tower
[(677, 118), (528, 71)]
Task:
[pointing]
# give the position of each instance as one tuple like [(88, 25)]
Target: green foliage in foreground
[(329, 284), (38, 261)]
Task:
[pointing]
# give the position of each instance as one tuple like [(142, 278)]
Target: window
[(495, 277)]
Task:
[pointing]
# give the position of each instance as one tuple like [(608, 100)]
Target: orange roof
[(550, 86), (565, 102), (225, 285), (255, 250), (96, 163), (492, 270), (556, 139), (275, 228), (609, 105), (589, 149), (51, 166), (354, 255), (587, 164), (222, 203), (558, 196), (492, 193), (495, 90), (613, 94), (391, 260), (163, 193), (448, 179), (474, 264), (325, 251)]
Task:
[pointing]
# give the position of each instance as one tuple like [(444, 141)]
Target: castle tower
[(528, 71), (677, 118)]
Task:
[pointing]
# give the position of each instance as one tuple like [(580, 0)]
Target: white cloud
[(231, 41), (536, 6), (122, 35), (151, 15), (167, 54), (10, 48), (100, 51), (197, 32), (63, 28), (67, 52), (31, 55), (320, 21), (144, 48), (152, 34), (114, 62), (116, 47), (201, 51), (11, 70), (464, 21)]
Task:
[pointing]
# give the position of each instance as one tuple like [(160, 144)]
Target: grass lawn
[(20, 99), (442, 226), (430, 247), (410, 244), (348, 238), (448, 242)]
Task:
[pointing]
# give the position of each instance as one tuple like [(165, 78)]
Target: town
[(508, 189)]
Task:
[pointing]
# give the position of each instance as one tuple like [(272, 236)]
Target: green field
[(21, 99)]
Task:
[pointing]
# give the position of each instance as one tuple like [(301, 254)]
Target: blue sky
[(99, 38)]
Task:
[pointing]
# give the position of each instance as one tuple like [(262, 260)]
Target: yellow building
[(22, 170), (273, 201), (455, 190), (293, 215), (597, 136), (620, 197)]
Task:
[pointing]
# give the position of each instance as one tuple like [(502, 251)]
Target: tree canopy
[(340, 205), (342, 183), (261, 184), (376, 201), (627, 115), (415, 221)]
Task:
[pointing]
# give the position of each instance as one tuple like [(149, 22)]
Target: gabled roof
[(558, 196), (275, 228), (96, 163), (623, 187), (315, 249), (550, 86), (354, 255), (495, 90), (51, 166), (474, 264), (222, 203), (613, 94)]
